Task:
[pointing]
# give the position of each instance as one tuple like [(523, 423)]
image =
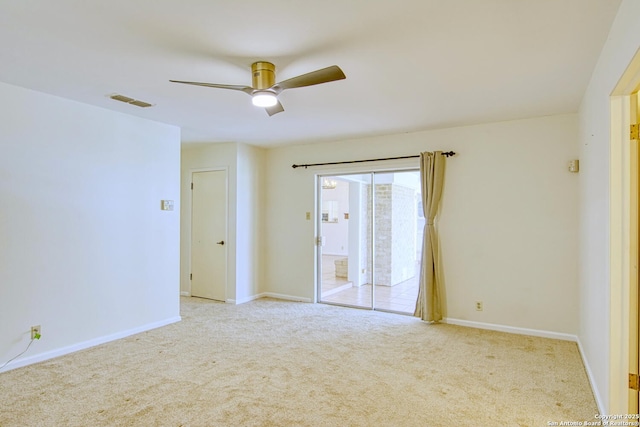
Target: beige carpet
[(275, 363)]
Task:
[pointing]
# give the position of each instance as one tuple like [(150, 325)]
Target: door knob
[(221, 242)]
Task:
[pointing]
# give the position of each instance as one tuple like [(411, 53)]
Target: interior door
[(208, 234)]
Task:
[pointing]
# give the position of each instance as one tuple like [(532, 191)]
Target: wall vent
[(131, 101)]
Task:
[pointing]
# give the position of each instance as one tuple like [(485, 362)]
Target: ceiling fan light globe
[(264, 99)]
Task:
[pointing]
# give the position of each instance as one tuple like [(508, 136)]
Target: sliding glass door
[(370, 232), (345, 214)]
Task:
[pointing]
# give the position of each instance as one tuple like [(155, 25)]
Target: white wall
[(595, 291), (508, 225), (245, 175), (250, 221), (85, 250)]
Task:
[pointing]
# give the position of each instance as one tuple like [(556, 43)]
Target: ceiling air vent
[(131, 101), (140, 104)]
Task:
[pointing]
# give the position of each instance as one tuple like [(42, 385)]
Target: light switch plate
[(166, 205)]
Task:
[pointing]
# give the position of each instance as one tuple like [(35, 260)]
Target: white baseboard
[(594, 387), (243, 300), (284, 297), (19, 363), (268, 295), (512, 329)]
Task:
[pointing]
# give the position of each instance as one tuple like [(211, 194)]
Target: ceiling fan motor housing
[(263, 75)]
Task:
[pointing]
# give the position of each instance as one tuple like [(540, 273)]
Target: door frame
[(226, 231), (623, 250)]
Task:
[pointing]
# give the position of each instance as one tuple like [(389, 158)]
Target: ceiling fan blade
[(324, 75), (246, 89), (278, 108)]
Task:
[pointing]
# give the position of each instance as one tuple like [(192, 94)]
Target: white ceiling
[(410, 64)]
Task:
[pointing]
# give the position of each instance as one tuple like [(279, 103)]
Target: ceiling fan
[(265, 91)]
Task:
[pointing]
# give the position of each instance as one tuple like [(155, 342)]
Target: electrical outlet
[(478, 305), (36, 332)]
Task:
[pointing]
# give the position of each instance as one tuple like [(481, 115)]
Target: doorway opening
[(370, 229), (624, 164)]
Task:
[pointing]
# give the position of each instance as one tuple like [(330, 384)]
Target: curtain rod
[(447, 154)]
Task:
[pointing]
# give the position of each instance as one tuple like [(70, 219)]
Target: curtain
[(430, 293)]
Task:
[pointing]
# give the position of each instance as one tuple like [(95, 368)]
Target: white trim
[(513, 329), (622, 259), (592, 380), (87, 344), (245, 299), (209, 169), (185, 294), (268, 295), (619, 255), (283, 296)]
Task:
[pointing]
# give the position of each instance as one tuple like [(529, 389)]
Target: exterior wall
[(383, 237), (395, 234), (403, 234)]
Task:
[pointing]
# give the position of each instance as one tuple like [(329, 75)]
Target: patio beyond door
[(371, 238)]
